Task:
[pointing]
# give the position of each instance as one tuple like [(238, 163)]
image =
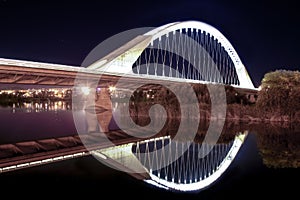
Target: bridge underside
[(13, 74), (24, 75)]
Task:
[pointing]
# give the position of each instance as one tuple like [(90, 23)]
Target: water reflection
[(170, 162), (39, 106), (178, 164), (193, 169), (279, 144)]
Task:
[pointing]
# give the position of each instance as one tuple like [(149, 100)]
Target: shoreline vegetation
[(234, 112), (277, 100)]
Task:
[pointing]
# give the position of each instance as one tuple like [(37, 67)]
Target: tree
[(280, 92)]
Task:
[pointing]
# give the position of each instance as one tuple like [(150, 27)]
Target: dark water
[(35, 121), (265, 166)]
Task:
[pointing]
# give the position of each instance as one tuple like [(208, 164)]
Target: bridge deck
[(36, 73)]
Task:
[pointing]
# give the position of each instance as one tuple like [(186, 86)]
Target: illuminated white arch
[(122, 59), (122, 157)]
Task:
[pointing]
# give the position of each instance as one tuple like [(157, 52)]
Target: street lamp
[(85, 90)]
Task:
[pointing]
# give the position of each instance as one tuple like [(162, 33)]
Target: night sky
[(265, 34)]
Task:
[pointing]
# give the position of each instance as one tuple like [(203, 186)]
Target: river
[(266, 165)]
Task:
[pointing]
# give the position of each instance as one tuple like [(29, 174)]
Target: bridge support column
[(103, 108), (99, 112)]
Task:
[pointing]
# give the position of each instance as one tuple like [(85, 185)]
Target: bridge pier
[(99, 112), (103, 108)]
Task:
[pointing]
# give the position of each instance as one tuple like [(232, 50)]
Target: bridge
[(189, 51), (181, 52)]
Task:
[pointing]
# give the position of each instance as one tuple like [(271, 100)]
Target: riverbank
[(252, 113), (234, 112)]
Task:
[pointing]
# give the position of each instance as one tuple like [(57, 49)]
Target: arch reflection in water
[(194, 170)]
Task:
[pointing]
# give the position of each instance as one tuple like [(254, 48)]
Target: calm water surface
[(266, 165)]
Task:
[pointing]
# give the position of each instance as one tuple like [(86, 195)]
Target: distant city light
[(50, 93)]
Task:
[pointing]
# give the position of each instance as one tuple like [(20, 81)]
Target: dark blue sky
[(264, 33)]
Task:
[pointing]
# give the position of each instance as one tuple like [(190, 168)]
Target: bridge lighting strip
[(39, 162), (154, 139), (103, 153)]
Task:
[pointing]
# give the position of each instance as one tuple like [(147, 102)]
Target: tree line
[(280, 93)]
